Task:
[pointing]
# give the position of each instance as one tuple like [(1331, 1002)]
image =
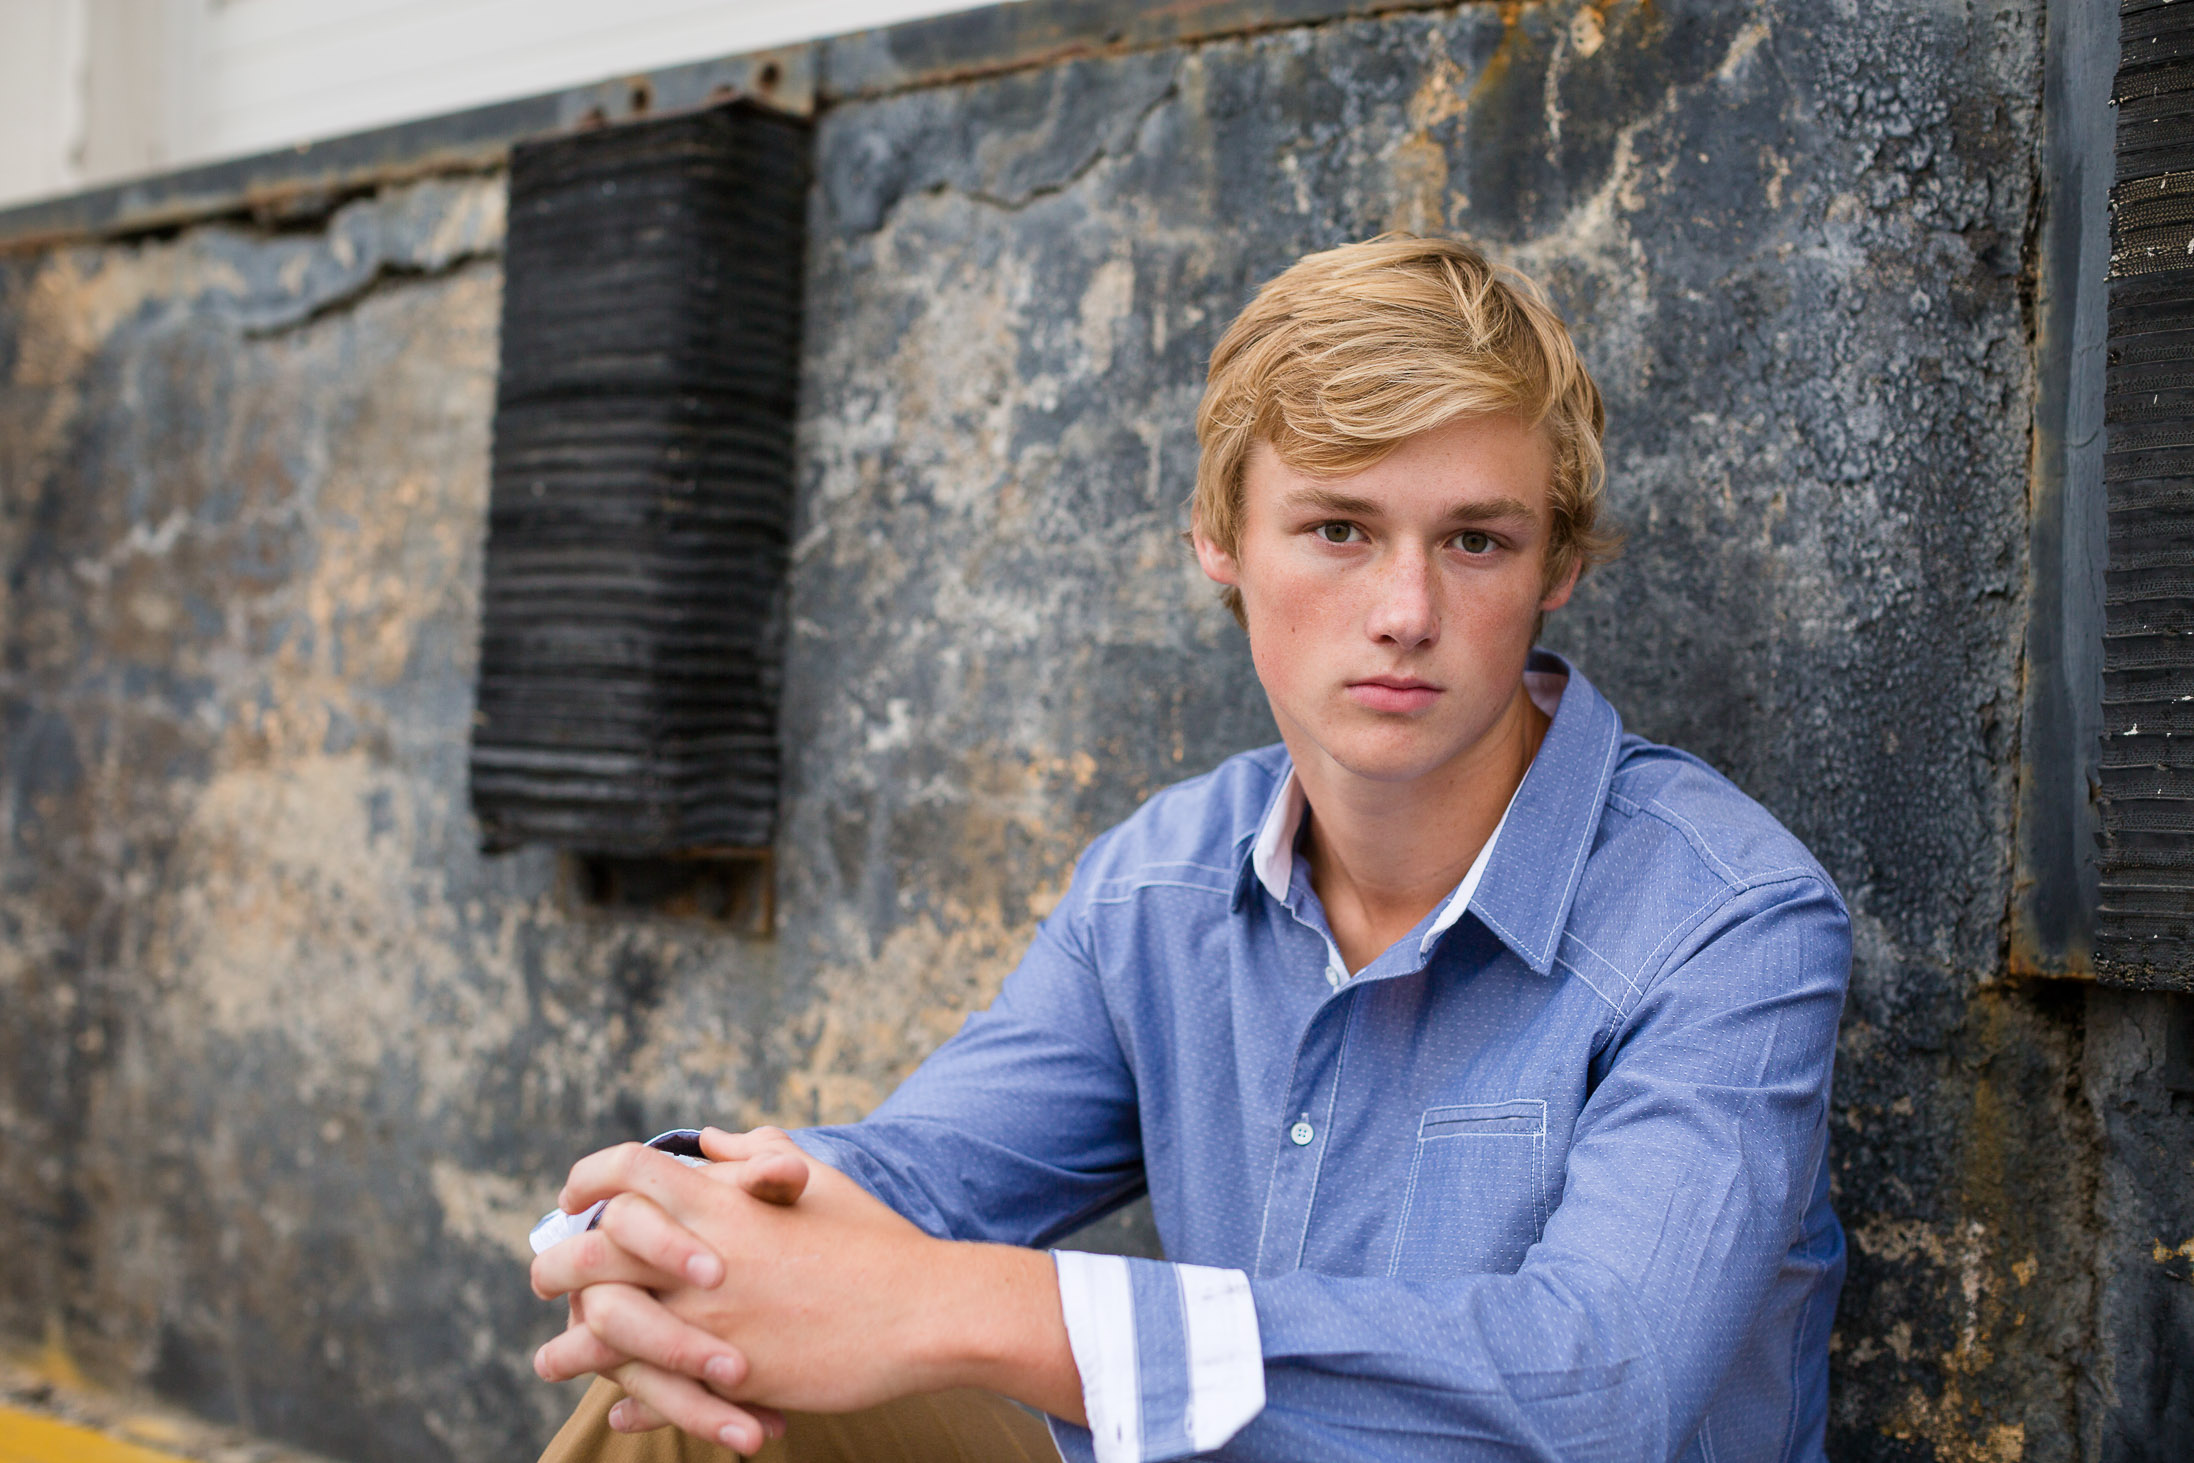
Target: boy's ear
[(1219, 566), (1560, 593)]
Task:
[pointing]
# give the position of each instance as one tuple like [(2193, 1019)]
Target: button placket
[(1293, 1188), (1294, 1185)]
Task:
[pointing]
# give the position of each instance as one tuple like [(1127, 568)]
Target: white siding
[(91, 90), (281, 70), (41, 95)]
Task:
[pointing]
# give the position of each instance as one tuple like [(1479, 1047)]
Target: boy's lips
[(1393, 693)]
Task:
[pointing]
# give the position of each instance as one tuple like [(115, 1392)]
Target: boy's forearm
[(999, 1325)]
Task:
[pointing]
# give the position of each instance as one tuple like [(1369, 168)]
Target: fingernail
[(732, 1436), (722, 1370), (618, 1416), (540, 1363), (704, 1270), (775, 1427)]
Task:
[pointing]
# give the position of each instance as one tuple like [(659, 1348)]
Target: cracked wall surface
[(287, 1066)]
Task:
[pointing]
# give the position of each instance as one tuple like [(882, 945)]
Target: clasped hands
[(716, 1295)]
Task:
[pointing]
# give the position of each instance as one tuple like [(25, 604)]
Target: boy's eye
[(1474, 542), (1337, 533)]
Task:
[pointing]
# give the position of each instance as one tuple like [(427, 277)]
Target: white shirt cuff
[(1220, 1370), (1226, 1356), (1100, 1316)]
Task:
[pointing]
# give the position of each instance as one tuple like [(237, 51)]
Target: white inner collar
[(1272, 858)]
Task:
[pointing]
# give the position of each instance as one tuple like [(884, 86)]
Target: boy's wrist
[(993, 1320)]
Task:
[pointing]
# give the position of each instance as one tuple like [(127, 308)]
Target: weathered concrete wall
[(270, 1102), (286, 1066), (2140, 1083)]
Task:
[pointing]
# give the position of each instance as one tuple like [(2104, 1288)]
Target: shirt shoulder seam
[(1656, 962), (1654, 807), (1590, 984)]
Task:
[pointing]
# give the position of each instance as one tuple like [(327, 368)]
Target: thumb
[(772, 1167), (777, 1177)]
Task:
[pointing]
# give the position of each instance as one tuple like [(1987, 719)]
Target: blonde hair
[(1350, 351)]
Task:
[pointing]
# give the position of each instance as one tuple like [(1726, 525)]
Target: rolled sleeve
[(1169, 1356)]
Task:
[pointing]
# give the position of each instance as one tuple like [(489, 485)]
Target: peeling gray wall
[(286, 1066)]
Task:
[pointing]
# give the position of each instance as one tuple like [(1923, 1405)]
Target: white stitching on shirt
[(1573, 970), (1623, 975), (1692, 835), (1657, 960), (1128, 894)]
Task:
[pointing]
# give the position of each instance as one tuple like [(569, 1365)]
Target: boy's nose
[(1404, 614)]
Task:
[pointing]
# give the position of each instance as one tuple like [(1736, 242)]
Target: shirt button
[(1301, 1134)]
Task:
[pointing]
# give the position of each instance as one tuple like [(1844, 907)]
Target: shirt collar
[(1532, 878), (1522, 893), (1272, 854)]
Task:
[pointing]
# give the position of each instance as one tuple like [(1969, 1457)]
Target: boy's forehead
[(1499, 465)]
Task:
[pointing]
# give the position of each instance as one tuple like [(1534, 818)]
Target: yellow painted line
[(26, 1437)]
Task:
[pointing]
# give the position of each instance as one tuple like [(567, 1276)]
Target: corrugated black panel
[(642, 486), (2145, 927)]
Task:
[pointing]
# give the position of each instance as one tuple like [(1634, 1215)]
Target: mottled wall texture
[(287, 1066)]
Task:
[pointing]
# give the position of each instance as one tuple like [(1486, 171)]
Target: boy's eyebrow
[(1324, 500), (1484, 508)]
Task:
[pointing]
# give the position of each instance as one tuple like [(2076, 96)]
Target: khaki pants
[(946, 1427)]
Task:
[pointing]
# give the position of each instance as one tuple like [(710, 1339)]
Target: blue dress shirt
[(1547, 1179)]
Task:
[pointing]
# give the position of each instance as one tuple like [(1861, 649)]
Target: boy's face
[(1391, 611)]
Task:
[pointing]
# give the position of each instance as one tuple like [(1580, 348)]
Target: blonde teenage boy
[(1475, 1054)]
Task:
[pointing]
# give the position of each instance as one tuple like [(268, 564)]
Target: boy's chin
[(1391, 754)]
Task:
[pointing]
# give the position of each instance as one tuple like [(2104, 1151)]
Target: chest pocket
[(1476, 1198)]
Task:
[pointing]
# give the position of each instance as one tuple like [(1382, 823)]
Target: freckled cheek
[(1299, 604), (1300, 629), (1493, 605)]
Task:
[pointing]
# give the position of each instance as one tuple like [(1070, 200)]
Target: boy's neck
[(1383, 855)]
